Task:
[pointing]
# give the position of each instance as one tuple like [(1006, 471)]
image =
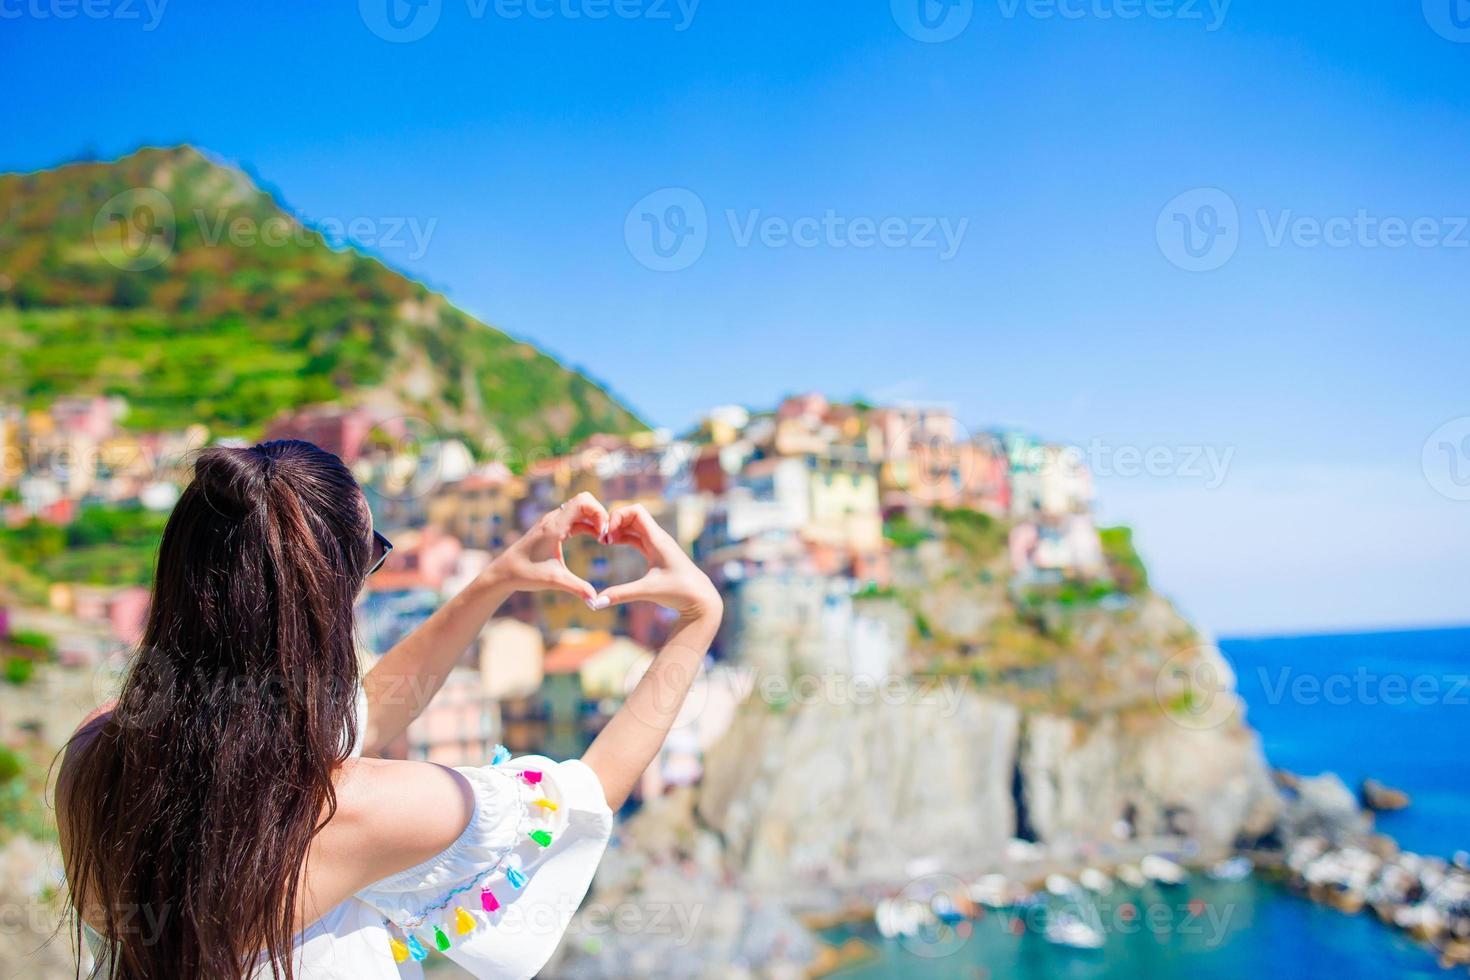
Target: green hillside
[(174, 281)]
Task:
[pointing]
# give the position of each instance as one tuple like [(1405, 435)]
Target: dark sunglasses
[(382, 548)]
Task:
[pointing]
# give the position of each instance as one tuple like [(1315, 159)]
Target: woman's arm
[(400, 685), (631, 740)]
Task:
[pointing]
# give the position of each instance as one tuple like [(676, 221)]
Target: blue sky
[(1067, 147)]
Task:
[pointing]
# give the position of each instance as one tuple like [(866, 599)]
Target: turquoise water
[(1352, 715)]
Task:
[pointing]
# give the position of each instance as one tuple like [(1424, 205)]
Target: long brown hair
[(189, 810)]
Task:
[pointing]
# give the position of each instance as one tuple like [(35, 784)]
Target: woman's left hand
[(535, 561)]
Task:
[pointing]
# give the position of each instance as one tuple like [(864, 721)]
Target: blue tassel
[(416, 949), (516, 878), (501, 756)]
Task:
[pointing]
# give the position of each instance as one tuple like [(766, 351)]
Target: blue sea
[(1390, 706)]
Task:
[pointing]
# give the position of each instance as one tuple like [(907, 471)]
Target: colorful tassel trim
[(516, 878), (463, 922), (400, 951), (416, 949), (501, 756), (546, 805), (488, 902), (541, 837), (532, 776)]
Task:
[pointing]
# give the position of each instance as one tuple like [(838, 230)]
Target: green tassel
[(541, 837), (441, 940)]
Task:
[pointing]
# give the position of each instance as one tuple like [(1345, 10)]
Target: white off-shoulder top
[(496, 901)]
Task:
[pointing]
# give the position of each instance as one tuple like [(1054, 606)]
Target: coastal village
[(792, 502), (819, 520)]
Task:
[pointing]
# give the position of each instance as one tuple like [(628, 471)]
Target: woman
[(224, 819)]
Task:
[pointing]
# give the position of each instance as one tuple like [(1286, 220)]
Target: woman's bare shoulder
[(392, 815)]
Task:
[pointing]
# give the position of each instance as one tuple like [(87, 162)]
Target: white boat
[(1162, 870), (1066, 929), (1095, 881), (1060, 885), (992, 891), (1232, 869), (900, 917), (1129, 875)]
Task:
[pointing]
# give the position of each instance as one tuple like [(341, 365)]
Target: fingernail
[(597, 603)]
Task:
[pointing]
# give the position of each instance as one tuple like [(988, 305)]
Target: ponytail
[(200, 794)]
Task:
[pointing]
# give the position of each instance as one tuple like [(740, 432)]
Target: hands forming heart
[(536, 561)]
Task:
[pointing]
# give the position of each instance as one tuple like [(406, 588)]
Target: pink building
[(421, 559), (127, 612), (458, 727), (342, 431)]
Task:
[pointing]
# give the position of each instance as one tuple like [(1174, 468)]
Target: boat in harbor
[(1066, 929), (1162, 870), (1129, 875), (1095, 881), (896, 917), (992, 891), (1231, 869), (1060, 885)]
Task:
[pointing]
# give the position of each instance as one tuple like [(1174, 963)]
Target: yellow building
[(480, 510), (845, 506)]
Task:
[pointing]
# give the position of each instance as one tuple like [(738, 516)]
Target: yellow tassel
[(463, 923), (546, 805), (400, 951)]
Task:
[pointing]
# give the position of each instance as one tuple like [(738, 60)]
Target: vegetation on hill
[(105, 545), (1074, 646), (175, 282)]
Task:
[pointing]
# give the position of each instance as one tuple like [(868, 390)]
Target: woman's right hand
[(672, 580), (535, 562)]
